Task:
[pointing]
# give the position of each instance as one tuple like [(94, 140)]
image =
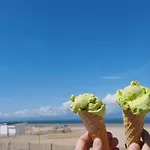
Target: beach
[(49, 135)]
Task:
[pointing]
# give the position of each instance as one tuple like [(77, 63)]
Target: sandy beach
[(59, 137)]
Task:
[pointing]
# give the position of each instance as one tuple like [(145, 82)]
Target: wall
[(20, 128), (4, 130), (11, 130)]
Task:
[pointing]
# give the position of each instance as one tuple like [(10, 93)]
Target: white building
[(9, 129)]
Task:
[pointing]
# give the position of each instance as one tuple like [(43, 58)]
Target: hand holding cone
[(135, 103), (96, 127)]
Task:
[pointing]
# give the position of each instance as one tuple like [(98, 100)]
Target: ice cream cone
[(133, 125), (134, 100), (96, 127)]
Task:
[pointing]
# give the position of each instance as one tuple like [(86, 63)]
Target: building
[(13, 128)]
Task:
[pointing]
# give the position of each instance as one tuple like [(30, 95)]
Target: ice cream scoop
[(88, 102), (135, 98)]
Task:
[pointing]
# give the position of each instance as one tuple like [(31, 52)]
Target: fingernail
[(97, 143)]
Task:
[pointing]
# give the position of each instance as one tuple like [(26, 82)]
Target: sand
[(47, 135)]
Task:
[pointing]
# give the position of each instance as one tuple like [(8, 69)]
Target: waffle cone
[(133, 125), (96, 127)]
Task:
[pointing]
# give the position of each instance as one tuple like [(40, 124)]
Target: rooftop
[(12, 123)]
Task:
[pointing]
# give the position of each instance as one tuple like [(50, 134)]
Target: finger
[(134, 146), (141, 144), (84, 142), (145, 147), (113, 143), (146, 140), (86, 137), (110, 136), (145, 136), (97, 144)]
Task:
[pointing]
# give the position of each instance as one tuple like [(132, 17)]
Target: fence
[(33, 146)]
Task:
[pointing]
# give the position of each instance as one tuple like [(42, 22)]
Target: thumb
[(97, 144), (134, 146)]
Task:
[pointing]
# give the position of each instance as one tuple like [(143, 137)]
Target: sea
[(71, 121)]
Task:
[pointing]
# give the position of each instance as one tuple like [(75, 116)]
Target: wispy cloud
[(142, 71), (111, 77)]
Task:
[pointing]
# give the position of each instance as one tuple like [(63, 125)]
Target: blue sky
[(52, 49)]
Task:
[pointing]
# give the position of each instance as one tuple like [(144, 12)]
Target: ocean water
[(75, 121), (71, 121)]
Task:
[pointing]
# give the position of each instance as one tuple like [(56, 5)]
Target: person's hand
[(85, 143), (145, 143)]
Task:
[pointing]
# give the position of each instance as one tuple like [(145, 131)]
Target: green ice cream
[(87, 102), (135, 98)]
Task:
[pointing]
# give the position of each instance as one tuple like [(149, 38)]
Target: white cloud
[(42, 111), (62, 110), (111, 105), (109, 99), (111, 77), (66, 105)]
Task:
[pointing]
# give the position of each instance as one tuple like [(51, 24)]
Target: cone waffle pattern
[(96, 127), (133, 127)]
